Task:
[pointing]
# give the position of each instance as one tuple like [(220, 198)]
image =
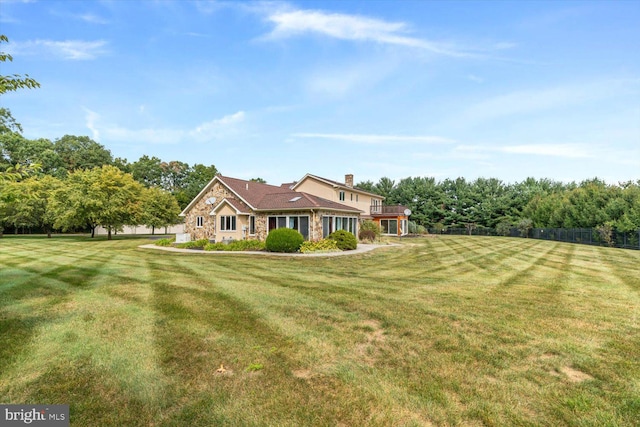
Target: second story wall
[(352, 197)]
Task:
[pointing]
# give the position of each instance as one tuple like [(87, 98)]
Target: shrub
[(504, 227), (525, 225), (346, 241), (195, 244), (605, 231), (283, 240), (370, 225), (165, 242), (237, 245), (324, 245), (368, 235)]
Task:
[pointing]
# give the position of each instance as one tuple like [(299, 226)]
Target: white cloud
[(373, 139), (535, 100), (92, 19), (339, 80), (91, 118), (205, 132), (353, 27), (67, 49), (572, 151), (218, 127)]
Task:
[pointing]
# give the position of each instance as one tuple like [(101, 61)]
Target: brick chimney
[(348, 180)]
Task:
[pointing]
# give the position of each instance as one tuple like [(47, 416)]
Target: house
[(393, 220), (235, 209)]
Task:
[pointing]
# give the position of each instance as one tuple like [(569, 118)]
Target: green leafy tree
[(525, 225), (148, 171), (101, 196), (7, 123), (260, 180), (384, 187), (30, 203), (195, 180), (81, 152), (368, 186), (423, 196), (15, 81), (159, 209)]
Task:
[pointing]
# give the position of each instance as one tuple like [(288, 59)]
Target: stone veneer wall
[(207, 231)]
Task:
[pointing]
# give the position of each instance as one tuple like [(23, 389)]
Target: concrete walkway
[(362, 248)]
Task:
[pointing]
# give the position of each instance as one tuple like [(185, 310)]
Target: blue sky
[(374, 88)]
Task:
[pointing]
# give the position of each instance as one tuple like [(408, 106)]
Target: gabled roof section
[(203, 191), (335, 184), (239, 206), (250, 192)]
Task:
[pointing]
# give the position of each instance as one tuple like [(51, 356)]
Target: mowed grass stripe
[(528, 333)]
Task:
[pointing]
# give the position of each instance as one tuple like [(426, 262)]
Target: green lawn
[(439, 331)]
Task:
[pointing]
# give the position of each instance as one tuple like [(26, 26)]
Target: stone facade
[(208, 229)]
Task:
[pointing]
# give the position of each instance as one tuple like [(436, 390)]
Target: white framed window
[(296, 222), (389, 226), (199, 221), (341, 195), (334, 223), (252, 225), (228, 223)]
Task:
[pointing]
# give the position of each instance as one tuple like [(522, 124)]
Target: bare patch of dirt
[(305, 374), (574, 375), (374, 337)]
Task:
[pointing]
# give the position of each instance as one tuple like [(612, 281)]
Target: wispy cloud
[(375, 139), (536, 100), (66, 49), (572, 151), (216, 129), (91, 18), (290, 23)]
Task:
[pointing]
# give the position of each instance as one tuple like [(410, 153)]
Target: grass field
[(438, 331)]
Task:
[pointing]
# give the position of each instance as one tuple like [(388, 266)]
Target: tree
[(422, 196), (17, 150), (196, 178), (174, 175), (81, 152), (159, 209), (384, 187), (7, 123), (368, 186), (29, 206), (260, 180), (101, 196), (14, 81), (148, 171), (524, 225)]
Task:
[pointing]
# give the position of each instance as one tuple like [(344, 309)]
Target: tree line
[(74, 183), (491, 203)]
